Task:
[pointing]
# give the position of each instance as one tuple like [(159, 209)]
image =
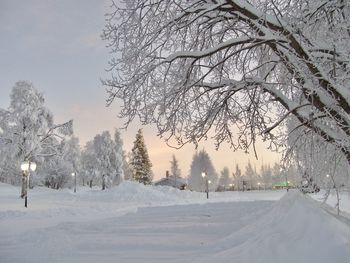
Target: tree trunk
[(103, 182), (23, 186)]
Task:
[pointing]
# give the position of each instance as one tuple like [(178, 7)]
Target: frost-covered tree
[(250, 176), (225, 180), (140, 162), (315, 158), (128, 174), (174, 168), (277, 173), (238, 178), (106, 158), (72, 155), (189, 66), (266, 176), (90, 172), (28, 131), (56, 171), (119, 158), (201, 162)]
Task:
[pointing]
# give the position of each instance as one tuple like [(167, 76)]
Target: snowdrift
[(296, 229)]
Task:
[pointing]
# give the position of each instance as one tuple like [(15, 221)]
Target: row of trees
[(28, 133), (249, 178)]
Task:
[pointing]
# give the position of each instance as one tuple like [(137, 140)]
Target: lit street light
[(259, 186), (26, 167), (207, 182), (75, 182)]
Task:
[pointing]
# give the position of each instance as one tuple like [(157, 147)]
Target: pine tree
[(140, 162), (238, 178), (201, 163), (174, 168), (249, 175), (225, 180), (266, 175)]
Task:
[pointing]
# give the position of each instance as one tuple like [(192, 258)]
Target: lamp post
[(259, 186), (26, 167), (207, 182), (75, 182)]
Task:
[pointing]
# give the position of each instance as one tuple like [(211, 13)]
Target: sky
[(56, 45)]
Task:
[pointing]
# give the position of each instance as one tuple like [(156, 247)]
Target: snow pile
[(344, 202), (295, 230)]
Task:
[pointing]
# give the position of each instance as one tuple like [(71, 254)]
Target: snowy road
[(93, 227), (152, 234)]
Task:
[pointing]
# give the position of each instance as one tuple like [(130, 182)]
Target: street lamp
[(75, 182), (26, 167), (259, 186), (207, 182)]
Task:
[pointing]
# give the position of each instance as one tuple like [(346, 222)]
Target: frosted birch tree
[(89, 168), (28, 132), (316, 160), (128, 174), (119, 158), (237, 67), (106, 158)]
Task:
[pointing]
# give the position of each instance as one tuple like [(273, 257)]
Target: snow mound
[(296, 226), (133, 192)]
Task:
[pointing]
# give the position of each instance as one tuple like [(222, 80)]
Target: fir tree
[(225, 180), (174, 168), (238, 179), (249, 175), (201, 163), (140, 162)]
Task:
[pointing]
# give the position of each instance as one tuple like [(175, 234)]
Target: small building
[(173, 181), (282, 185)]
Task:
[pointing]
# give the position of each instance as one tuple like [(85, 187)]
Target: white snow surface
[(137, 223)]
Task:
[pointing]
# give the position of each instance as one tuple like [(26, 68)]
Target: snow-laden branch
[(192, 67)]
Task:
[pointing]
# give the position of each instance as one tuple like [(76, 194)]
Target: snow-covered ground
[(136, 223)]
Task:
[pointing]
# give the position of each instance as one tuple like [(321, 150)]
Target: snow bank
[(344, 202), (297, 229)]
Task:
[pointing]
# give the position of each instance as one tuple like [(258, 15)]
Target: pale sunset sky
[(56, 45)]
